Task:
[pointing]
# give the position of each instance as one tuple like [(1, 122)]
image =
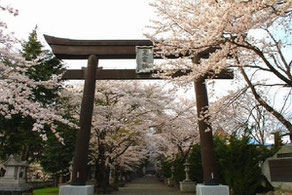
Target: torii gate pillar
[(205, 130), (79, 175), (80, 160), (211, 185)]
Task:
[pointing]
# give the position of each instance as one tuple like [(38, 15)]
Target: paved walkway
[(147, 185)]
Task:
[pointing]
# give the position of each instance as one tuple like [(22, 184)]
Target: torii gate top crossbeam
[(113, 49), (102, 49)]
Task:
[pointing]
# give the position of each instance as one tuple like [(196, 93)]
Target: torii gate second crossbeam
[(93, 50)]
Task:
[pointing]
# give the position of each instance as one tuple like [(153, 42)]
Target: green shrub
[(240, 164), (196, 170), (166, 168), (179, 173)]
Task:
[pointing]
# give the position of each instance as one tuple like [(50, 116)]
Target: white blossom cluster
[(227, 28), (128, 118), (123, 114), (16, 88), (175, 133), (252, 37)]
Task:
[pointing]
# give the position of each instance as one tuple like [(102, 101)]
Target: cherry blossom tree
[(132, 122), (17, 88), (123, 115), (243, 113), (130, 161), (252, 36), (175, 134)]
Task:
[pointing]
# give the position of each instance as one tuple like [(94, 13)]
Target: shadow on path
[(148, 185)]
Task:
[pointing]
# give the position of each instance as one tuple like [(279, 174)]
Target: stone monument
[(187, 185), (278, 170), (171, 181), (14, 180)]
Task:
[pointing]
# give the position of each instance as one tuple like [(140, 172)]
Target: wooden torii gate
[(95, 50)]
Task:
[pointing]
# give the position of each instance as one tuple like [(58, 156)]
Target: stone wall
[(276, 193), (40, 184)]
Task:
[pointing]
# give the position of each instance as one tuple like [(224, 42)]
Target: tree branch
[(280, 54), (262, 56), (263, 103)]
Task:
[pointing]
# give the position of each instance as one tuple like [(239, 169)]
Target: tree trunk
[(61, 177), (103, 179), (102, 176), (116, 176), (24, 154), (56, 178), (122, 182)]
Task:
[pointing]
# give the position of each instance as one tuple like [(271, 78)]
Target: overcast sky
[(82, 19)]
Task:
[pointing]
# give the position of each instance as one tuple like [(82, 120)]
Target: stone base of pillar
[(202, 189), (170, 182), (76, 190), (187, 186)]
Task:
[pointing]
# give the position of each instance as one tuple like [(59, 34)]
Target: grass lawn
[(46, 191)]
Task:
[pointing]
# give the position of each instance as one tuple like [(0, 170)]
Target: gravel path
[(147, 185)]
